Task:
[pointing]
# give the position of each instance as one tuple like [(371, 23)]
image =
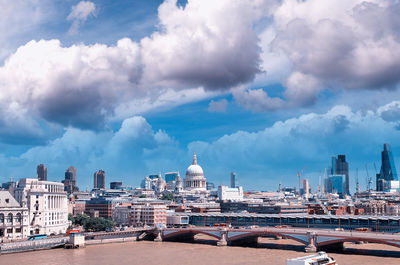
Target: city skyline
[(136, 87)]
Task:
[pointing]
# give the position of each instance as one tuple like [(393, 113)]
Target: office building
[(47, 205), (13, 218), (115, 185), (100, 179), (230, 194), (334, 184), (70, 180), (387, 179), (341, 167), (233, 180), (171, 176), (306, 187), (99, 207), (41, 171), (148, 214)]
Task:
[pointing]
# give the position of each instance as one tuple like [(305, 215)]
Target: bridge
[(312, 239)]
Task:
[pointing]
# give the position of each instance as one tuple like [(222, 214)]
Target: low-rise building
[(230, 194), (148, 214)]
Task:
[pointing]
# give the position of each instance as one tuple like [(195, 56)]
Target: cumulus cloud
[(79, 14), (218, 106), (257, 99)]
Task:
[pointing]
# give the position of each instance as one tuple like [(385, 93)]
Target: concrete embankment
[(110, 240)]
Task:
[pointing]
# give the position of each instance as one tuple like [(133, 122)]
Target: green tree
[(168, 197)]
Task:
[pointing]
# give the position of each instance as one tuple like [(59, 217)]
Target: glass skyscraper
[(341, 167), (388, 169)]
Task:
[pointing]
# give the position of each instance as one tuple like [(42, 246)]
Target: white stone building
[(230, 194), (47, 205), (195, 180), (13, 218)]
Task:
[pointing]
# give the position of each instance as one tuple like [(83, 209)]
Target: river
[(269, 251)]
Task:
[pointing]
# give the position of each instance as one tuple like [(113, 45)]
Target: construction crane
[(369, 180), (323, 185), (299, 175)]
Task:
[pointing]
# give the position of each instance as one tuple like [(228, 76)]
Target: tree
[(168, 197)]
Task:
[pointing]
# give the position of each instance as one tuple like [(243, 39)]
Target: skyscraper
[(70, 180), (100, 179), (41, 171), (341, 167), (233, 180), (388, 173)]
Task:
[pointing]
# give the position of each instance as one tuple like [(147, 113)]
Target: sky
[(264, 88)]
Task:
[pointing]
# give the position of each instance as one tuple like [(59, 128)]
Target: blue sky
[(263, 88)]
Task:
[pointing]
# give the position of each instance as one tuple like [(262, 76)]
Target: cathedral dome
[(194, 170)]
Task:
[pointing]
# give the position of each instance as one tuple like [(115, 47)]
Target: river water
[(269, 251)]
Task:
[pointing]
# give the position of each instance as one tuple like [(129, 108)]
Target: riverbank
[(269, 251)]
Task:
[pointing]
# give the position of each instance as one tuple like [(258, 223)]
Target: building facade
[(233, 180), (148, 214), (230, 194), (387, 179), (100, 179), (47, 205), (41, 171), (341, 167), (13, 218), (70, 180)]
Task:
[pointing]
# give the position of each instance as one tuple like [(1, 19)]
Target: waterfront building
[(195, 180), (120, 214), (148, 214), (341, 167), (230, 194), (13, 218), (387, 179), (70, 180), (233, 180), (41, 171), (100, 179), (47, 205), (99, 207)]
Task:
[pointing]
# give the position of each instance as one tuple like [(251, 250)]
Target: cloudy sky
[(260, 87)]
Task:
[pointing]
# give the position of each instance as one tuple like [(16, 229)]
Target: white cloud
[(218, 106), (257, 100), (79, 14)]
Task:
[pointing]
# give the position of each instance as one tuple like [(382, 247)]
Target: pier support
[(311, 247), (158, 238), (223, 242)]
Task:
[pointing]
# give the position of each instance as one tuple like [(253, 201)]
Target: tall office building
[(233, 180), (341, 167), (100, 179), (306, 187), (70, 180), (41, 171), (387, 179), (334, 184)]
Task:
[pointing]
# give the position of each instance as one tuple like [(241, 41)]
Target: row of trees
[(91, 223)]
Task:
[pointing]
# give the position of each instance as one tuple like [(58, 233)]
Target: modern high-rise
[(306, 187), (70, 180), (387, 178), (41, 172), (233, 180), (341, 167), (100, 179), (334, 184)]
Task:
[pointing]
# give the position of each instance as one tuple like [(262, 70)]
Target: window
[(7, 200), (9, 218), (18, 218), (9, 231), (1, 218), (17, 230)]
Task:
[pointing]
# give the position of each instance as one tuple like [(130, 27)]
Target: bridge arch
[(171, 234), (343, 240), (259, 234)]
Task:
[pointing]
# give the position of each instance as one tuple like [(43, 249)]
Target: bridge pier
[(223, 240), (311, 247), (158, 238)]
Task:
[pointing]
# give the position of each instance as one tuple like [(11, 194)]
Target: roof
[(7, 200)]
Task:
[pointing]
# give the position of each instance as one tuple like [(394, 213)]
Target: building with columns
[(47, 205), (195, 180)]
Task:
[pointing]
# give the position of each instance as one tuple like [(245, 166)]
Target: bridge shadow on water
[(291, 245)]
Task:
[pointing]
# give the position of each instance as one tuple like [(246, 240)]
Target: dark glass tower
[(341, 167), (100, 179), (41, 171), (388, 169)]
